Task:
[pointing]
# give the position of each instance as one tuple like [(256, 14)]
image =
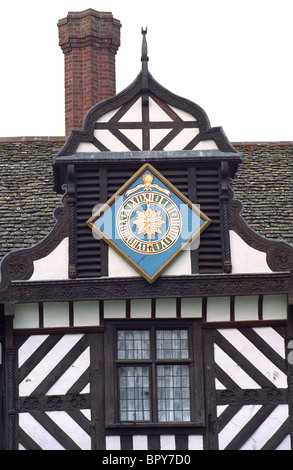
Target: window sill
[(158, 427)]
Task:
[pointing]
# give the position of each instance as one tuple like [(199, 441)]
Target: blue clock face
[(148, 222)]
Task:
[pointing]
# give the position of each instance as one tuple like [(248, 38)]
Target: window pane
[(172, 344), (133, 344), (134, 393), (173, 393)]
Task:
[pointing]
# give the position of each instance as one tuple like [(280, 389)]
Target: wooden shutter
[(88, 248), (207, 190)]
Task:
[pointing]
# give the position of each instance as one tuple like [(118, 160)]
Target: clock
[(148, 222)]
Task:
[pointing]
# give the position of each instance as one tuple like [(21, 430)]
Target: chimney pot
[(89, 40)]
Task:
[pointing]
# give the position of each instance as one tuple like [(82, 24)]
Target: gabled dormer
[(146, 123)]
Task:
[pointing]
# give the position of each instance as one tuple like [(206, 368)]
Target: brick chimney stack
[(89, 41)]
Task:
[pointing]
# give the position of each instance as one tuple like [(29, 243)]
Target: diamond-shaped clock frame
[(148, 196)]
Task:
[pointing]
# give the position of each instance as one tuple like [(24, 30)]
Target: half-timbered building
[(152, 316)]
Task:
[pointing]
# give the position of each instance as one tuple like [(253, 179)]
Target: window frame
[(194, 361)]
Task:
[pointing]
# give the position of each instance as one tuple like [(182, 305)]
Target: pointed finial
[(144, 48), (144, 68)]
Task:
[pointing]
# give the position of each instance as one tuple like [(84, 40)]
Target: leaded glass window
[(153, 370), (173, 393), (134, 393)]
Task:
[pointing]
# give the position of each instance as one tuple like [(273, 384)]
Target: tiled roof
[(264, 183), (27, 198)]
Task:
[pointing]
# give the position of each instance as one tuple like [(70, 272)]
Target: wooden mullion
[(210, 435), (99, 390), (41, 315), (181, 441), (153, 376), (153, 442), (126, 442), (196, 343)]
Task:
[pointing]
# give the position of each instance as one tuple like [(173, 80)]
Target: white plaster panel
[(182, 139), (53, 266), (267, 429), (113, 443), (273, 338), (141, 308), (29, 346), (86, 147), (168, 442), (157, 113), (165, 308), (195, 442), (285, 444), (39, 434), (107, 116), (180, 266), (26, 316), (234, 426), (86, 313), (140, 442), (191, 308), (246, 308), (275, 307), (231, 368), (206, 145), (156, 135), (71, 428), (135, 135), (134, 113), (110, 141), (118, 267), (114, 309), (56, 314), (71, 375), (218, 309), (246, 259), (183, 114)]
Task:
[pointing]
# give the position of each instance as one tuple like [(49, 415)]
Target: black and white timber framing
[(54, 324)]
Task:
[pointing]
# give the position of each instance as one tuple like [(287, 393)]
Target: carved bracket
[(18, 265)]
